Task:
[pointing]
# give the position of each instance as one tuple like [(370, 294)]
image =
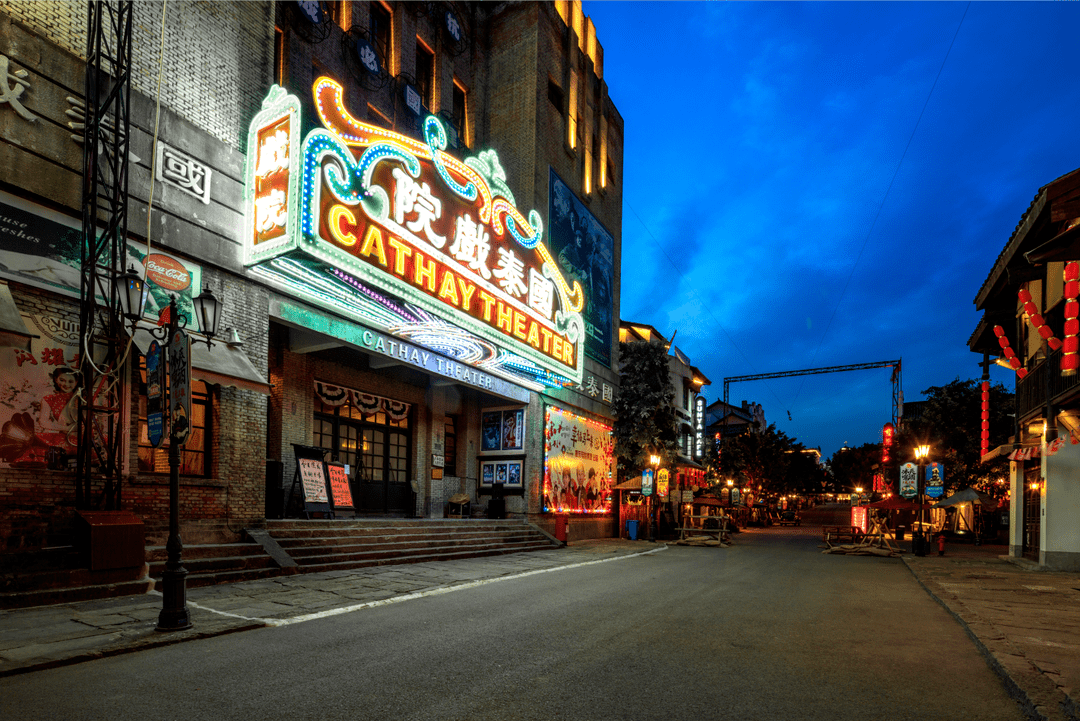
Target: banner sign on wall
[(579, 463), (584, 250), (356, 216), (935, 480), (40, 247), (909, 480)]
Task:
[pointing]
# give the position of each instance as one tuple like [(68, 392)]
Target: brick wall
[(218, 56)]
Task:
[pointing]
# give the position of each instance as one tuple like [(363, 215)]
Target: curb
[(1015, 691)]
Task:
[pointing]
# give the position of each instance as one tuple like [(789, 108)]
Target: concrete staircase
[(211, 564), (59, 575), (344, 544)]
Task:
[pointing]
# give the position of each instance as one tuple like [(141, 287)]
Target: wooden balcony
[(1032, 391)]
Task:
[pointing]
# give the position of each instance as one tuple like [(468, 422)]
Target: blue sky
[(795, 196)]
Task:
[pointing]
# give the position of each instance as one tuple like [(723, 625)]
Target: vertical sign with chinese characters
[(180, 386), (155, 394), (935, 480), (662, 480), (272, 176), (909, 480)]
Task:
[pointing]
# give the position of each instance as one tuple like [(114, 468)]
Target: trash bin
[(631, 530), (560, 528), (900, 533)]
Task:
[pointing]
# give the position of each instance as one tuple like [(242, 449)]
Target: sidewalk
[(50, 636), (1026, 623)]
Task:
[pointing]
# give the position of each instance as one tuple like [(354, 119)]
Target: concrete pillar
[(1016, 509), (1059, 543)]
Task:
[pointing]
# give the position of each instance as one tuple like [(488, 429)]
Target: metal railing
[(1033, 391)]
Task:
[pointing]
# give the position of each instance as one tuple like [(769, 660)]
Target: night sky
[(820, 184)]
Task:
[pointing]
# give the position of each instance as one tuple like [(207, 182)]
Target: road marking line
[(419, 594)]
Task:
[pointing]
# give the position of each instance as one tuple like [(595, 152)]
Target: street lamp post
[(918, 539), (654, 461), (174, 615)]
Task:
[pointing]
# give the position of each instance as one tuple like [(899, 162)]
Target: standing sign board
[(155, 394), (647, 482), (935, 480), (909, 480), (662, 484), (180, 385), (340, 493), (310, 474)]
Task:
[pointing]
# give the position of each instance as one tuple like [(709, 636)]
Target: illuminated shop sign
[(356, 216), (699, 427)]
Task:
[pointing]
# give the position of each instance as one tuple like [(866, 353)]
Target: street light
[(654, 461), (174, 614), (918, 539)]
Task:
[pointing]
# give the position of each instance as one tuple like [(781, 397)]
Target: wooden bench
[(840, 534), (720, 533)]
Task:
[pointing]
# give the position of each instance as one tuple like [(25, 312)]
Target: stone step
[(32, 581), (431, 556), (213, 578), (352, 545), (290, 542), (208, 550), (71, 594), (404, 551), (216, 564)]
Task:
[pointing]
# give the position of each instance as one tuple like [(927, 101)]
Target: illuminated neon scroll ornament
[(405, 217), (1069, 359), (1008, 352), (1036, 319)]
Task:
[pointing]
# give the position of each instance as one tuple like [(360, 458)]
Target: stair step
[(71, 594), (395, 560), (215, 564), (197, 580), (307, 562)]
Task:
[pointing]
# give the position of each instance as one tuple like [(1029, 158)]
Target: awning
[(634, 484), (13, 331), (969, 495), (224, 364), (684, 462)]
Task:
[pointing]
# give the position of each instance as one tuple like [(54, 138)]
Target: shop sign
[(356, 211), (579, 464), (180, 386), (909, 480), (155, 394), (183, 172), (935, 480), (699, 427), (687, 496), (647, 482), (662, 481), (735, 497)]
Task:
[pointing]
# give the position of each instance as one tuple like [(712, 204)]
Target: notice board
[(340, 493), (311, 475)]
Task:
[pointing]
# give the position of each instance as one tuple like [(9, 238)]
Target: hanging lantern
[(984, 439), (1069, 359), (1014, 362), (1036, 320)]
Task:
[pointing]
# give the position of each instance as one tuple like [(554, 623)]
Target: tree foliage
[(950, 425), (645, 421), (760, 459), (851, 468)]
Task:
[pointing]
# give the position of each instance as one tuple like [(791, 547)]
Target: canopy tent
[(896, 503), (968, 495)]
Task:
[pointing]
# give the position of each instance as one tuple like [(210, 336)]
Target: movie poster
[(584, 251), (38, 407), (579, 464)]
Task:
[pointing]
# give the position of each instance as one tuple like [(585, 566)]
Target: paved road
[(767, 629)]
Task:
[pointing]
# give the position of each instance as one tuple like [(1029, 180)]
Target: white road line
[(419, 594)]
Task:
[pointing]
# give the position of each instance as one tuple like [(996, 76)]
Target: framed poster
[(340, 493), (312, 480), (507, 473), (579, 464), (502, 430)]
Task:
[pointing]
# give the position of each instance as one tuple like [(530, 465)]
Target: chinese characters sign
[(397, 214), (578, 464), (909, 480)]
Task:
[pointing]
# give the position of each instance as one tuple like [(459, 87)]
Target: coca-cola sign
[(167, 272)]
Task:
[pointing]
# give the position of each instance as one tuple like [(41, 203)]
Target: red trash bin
[(560, 528)]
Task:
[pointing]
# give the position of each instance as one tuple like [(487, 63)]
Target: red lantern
[(1069, 359), (1008, 352), (984, 445), (1037, 320)]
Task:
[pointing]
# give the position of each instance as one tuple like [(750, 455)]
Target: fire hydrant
[(941, 544)]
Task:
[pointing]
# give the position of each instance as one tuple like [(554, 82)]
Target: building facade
[(412, 214), (1029, 307)]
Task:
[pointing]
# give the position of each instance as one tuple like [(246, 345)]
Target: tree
[(759, 458), (851, 468), (645, 421), (950, 425)]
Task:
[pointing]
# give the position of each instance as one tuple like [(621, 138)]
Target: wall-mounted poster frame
[(502, 430), (510, 472)]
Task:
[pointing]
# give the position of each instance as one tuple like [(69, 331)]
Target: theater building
[(412, 215)]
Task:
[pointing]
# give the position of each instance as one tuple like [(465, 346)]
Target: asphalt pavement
[(1026, 623)]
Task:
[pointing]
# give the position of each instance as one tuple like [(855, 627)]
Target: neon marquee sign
[(392, 213)]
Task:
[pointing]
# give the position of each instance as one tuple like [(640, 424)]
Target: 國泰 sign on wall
[(394, 231)]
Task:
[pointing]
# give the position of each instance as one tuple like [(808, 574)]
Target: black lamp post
[(919, 539), (174, 614)]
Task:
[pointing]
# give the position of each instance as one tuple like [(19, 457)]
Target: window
[(450, 449), (686, 397), (347, 431), (555, 95), (195, 453), (425, 73), (381, 32), (459, 111)]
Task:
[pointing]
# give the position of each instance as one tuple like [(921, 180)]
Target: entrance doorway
[(375, 447)]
